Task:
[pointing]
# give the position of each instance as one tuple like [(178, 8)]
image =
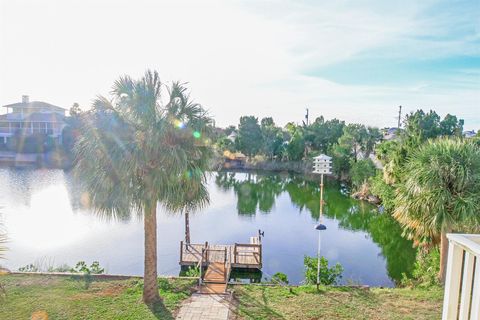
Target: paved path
[(205, 307)]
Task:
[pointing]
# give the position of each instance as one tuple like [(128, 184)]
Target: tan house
[(28, 118)]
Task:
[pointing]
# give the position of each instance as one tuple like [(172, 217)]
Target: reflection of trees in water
[(256, 191), (261, 190)]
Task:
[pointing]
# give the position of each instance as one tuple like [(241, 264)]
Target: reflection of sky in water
[(36, 207)]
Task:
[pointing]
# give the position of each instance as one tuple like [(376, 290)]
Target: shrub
[(425, 271), (361, 171), (193, 272), (384, 191), (29, 268), (280, 278), (328, 275), (81, 267)]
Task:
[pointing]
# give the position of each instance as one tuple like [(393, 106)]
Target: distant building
[(390, 134), (469, 134), (232, 136), (29, 118)]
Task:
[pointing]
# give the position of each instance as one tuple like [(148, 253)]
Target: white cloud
[(239, 57)]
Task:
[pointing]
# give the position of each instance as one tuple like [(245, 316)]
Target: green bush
[(328, 275), (280, 278), (29, 268), (193, 272), (426, 270), (81, 267), (384, 191), (361, 171)]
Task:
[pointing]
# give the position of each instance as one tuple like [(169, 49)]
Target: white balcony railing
[(462, 283)]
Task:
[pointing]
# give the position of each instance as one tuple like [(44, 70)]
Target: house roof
[(33, 105)]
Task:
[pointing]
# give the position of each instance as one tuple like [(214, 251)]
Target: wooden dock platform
[(219, 260), (239, 255)]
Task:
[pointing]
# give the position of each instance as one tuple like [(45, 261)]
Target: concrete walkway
[(205, 307)]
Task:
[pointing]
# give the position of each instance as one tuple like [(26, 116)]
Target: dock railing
[(247, 250), (462, 282)]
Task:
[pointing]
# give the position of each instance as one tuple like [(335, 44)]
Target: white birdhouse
[(322, 164)]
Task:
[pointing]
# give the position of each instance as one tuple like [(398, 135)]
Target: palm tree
[(441, 193), (135, 152)]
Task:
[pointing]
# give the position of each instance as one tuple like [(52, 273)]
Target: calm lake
[(43, 215)]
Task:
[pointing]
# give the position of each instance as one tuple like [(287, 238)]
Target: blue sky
[(355, 60)]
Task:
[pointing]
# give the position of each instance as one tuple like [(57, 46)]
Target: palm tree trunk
[(443, 256), (187, 227), (150, 286)]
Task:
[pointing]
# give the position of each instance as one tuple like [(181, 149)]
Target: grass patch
[(256, 302), (70, 298)]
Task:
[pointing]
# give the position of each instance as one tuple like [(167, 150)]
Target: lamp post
[(322, 165)]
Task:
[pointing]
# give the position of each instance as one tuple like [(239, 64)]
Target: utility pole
[(306, 117), (399, 116)]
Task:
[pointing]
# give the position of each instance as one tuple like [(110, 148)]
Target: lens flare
[(197, 134)]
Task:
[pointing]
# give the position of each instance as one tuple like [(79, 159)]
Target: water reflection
[(46, 216), (259, 191)]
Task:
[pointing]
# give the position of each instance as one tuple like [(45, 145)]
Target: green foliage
[(341, 156), (29, 268), (361, 171), (193, 272), (249, 139), (82, 267), (225, 143), (441, 189), (425, 272), (272, 138), (322, 135), (296, 146), (328, 275), (384, 191), (421, 126), (280, 278)]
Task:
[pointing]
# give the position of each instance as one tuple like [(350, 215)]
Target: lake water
[(42, 213)]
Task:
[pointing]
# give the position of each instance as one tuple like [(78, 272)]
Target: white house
[(29, 118)]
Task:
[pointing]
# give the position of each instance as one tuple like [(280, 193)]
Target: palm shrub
[(440, 193), (137, 150)]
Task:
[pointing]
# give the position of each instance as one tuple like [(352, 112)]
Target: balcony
[(462, 283)]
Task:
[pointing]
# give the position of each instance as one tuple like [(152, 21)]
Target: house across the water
[(30, 118)]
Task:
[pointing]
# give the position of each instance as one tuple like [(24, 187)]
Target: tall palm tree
[(441, 193), (136, 151)]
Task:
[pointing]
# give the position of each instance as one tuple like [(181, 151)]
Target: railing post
[(475, 309), (452, 281), (235, 253), (200, 267), (466, 285), (181, 251)]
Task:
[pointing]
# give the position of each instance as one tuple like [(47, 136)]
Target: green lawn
[(75, 298), (255, 302)]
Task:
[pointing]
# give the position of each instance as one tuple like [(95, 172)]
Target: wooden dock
[(219, 260)]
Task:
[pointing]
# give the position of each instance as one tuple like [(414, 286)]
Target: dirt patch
[(25, 281), (95, 291)]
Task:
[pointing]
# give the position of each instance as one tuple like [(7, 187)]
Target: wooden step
[(213, 288), (216, 272)]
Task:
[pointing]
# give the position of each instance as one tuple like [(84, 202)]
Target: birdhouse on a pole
[(322, 164)]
